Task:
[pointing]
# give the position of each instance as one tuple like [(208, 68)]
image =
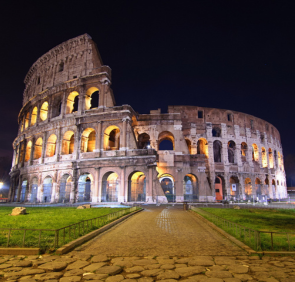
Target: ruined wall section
[(72, 59)]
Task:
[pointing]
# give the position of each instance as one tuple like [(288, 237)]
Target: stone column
[(224, 153), (124, 134), (32, 151), (98, 138), (77, 144), (43, 154), (95, 193), (19, 189), (238, 155), (149, 184), (63, 105), (123, 195)]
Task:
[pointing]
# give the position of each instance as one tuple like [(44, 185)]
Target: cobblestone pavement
[(161, 231), (100, 268)]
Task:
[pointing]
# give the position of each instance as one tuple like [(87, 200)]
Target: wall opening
[(44, 111), (72, 102), (34, 116), (112, 138), (92, 98), (167, 184), (28, 151), (231, 148), (68, 143), (84, 188), (88, 140), (38, 149), (244, 149), (190, 188), (47, 189), (217, 146), (110, 187), (137, 187), (255, 153), (65, 188), (34, 190), (143, 141), (51, 146), (166, 141), (23, 191)]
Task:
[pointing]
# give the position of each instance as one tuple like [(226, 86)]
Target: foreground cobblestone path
[(162, 231), (100, 268)]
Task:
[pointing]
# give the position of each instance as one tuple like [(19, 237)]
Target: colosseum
[(74, 144)]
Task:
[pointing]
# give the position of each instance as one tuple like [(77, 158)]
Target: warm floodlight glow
[(1, 184)]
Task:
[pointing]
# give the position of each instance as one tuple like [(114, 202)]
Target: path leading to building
[(158, 231)]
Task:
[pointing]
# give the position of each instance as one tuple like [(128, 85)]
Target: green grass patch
[(52, 218), (279, 221)]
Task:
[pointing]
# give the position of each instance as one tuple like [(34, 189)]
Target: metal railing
[(51, 239), (256, 239), (244, 206)]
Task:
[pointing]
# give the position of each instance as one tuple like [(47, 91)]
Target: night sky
[(236, 55)]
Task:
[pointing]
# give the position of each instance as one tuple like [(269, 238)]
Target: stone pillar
[(32, 151), (19, 189), (74, 185), (95, 193), (43, 154), (123, 143), (63, 105), (238, 155), (58, 144), (224, 153), (98, 137), (77, 144), (149, 184), (123, 192)]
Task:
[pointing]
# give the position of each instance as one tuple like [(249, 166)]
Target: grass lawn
[(49, 217), (267, 220), (279, 220)]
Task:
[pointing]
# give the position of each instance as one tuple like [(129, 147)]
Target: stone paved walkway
[(163, 230)]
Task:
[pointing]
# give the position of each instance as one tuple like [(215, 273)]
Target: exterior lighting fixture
[(1, 184)]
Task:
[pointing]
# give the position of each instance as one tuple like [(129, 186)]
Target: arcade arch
[(65, 188), (72, 102), (68, 143), (92, 98), (88, 140), (44, 111), (84, 187), (111, 138), (167, 184), (190, 188), (166, 141), (38, 148), (47, 189), (51, 145), (110, 187), (137, 187), (34, 116), (143, 141)]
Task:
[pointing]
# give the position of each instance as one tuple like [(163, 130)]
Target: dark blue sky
[(236, 55)]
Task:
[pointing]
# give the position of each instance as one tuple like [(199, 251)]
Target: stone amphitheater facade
[(75, 145)]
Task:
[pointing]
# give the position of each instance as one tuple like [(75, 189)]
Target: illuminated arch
[(111, 138), (88, 140), (137, 187), (270, 158), (65, 188), (190, 188), (92, 94), (202, 147), (263, 157), (27, 120), (28, 151), (167, 183), (110, 187), (51, 145), (34, 116), (68, 143), (166, 135), (143, 141), (84, 187), (44, 111), (244, 151), (189, 145), (255, 153), (47, 189), (72, 102), (38, 148)]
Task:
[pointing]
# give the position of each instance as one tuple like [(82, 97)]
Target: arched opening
[(110, 187), (27, 120), (248, 188), (167, 184), (231, 148), (234, 188), (92, 98), (279, 160), (47, 187), (274, 190), (84, 188), (34, 190), (72, 102), (88, 140), (137, 187), (189, 145), (263, 157), (270, 158), (218, 188), (255, 153), (38, 149), (65, 188), (258, 189), (217, 151), (112, 138), (21, 152), (44, 111), (202, 147), (61, 67), (216, 132), (34, 116), (244, 149), (23, 191), (28, 151), (143, 141), (51, 145), (190, 188), (166, 141), (68, 143)]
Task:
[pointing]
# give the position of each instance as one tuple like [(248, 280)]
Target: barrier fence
[(50, 239), (256, 239)]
